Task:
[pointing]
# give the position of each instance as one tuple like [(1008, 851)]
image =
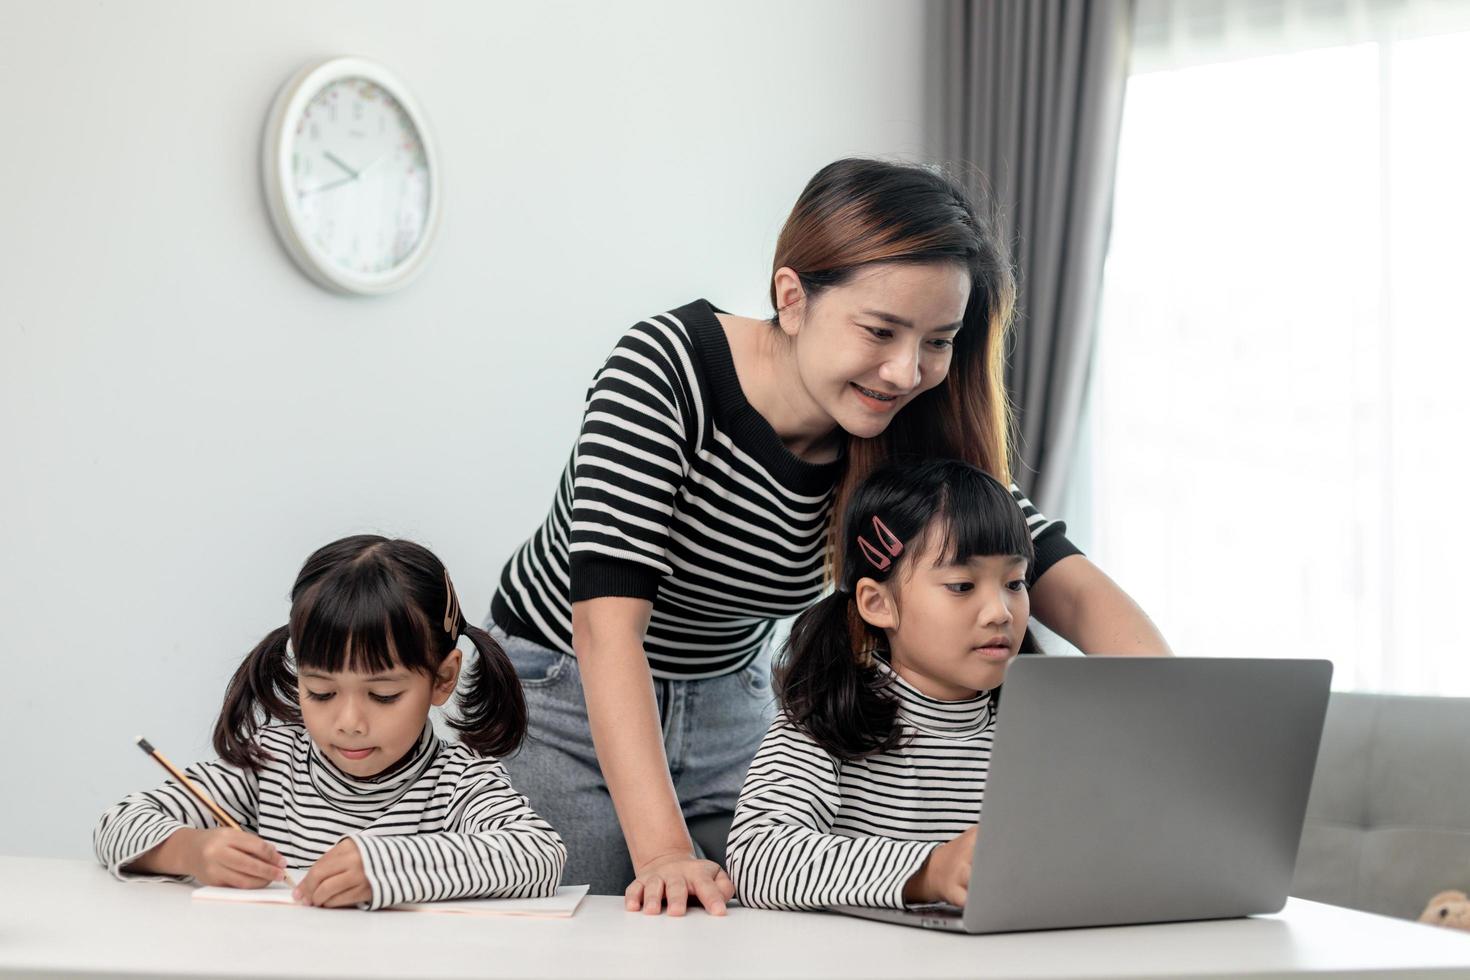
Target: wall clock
[(351, 176)]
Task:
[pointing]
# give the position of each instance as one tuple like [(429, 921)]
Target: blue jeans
[(711, 731)]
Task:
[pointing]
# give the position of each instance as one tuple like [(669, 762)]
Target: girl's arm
[(1085, 607), (607, 634), (494, 846), (141, 836), (781, 854)]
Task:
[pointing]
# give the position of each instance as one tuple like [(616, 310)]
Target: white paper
[(276, 893), (561, 905)]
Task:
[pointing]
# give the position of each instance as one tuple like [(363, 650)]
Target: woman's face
[(867, 348)]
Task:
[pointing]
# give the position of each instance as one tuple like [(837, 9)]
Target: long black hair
[(825, 679), (368, 603)]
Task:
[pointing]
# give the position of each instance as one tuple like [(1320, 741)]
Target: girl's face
[(867, 348), (365, 723), (952, 629)]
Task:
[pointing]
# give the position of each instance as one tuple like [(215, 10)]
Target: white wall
[(184, 416)]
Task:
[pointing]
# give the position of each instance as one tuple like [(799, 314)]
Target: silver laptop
[(1139, 789)]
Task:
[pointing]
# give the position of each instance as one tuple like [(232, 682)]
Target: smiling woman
[(696, 511)]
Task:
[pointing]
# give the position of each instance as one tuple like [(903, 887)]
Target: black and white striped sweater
[(811, 831), (678, 491), (444, 824)]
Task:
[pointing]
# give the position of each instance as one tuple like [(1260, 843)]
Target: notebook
[(559, 906)]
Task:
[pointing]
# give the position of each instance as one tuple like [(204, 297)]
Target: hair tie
[(887, 539)]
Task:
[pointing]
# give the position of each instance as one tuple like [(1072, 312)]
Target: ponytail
[(366, 603), (263, 689), (823, 688), (492, 708)]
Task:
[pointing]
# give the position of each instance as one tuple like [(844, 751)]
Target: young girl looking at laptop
[(867, 789)]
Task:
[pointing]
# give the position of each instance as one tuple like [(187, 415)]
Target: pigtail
[(826, 691), (492, 708), (263, 689)]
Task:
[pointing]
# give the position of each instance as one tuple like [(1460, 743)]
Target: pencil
[(224, 818)]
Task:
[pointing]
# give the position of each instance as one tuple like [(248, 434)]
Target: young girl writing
[(328, 758), (867, 789)]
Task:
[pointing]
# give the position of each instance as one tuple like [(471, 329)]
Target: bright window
[(1277, 460)]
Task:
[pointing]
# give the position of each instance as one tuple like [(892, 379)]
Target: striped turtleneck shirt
[(679, 492), (443, 824), (812, 831)]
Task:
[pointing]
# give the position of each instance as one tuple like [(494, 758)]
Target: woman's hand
[(945, 876), (607, 634), (673, 878), (219, 856), (337, 880)]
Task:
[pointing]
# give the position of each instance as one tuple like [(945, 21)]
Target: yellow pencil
[(199, 794)]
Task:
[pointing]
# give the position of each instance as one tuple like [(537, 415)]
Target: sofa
[(1388, 820)]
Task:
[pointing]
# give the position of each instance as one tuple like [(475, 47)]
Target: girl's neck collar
[(350, 793), (962, 719)]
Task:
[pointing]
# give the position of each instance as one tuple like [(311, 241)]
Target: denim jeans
[(711, 730)]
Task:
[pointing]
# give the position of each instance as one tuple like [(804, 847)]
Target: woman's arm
[(1077, 601), (607, 636)]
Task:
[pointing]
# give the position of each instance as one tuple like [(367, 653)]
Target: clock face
[(359, 177)]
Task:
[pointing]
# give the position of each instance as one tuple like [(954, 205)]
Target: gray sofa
[(1388, 821)]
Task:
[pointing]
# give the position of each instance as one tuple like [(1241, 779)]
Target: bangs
[(978, 518), (358, 619)]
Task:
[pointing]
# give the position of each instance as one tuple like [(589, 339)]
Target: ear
[(447, 678), (790, 300), (875, 604)]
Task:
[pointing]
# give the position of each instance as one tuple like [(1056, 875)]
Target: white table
[(70, 919)]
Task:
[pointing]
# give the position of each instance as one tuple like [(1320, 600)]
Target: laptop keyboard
[(943, 909)]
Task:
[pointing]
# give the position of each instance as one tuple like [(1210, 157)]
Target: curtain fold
[(1035, 107)]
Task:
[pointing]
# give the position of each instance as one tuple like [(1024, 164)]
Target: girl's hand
[(336, 880), (945, 876), (228, 857), (674, 878)]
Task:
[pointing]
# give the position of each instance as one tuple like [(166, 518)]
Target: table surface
[(63, 918)]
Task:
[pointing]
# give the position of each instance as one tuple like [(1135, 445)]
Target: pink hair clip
[(887, 539)]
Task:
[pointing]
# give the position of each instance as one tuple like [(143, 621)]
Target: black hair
[(825, 681), (368, 603)]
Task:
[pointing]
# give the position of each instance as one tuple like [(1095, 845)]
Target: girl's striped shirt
[(679, 492), (812, 831), (444, 824)]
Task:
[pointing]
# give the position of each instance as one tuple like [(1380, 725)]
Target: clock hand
[(326, 187), (333, 157)]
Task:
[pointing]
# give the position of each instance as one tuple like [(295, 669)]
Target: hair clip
[(451, 606), (887, 539)]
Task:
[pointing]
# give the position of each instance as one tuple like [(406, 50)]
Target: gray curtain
[(1031, 94)]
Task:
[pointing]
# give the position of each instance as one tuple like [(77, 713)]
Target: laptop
[(1126, 790)]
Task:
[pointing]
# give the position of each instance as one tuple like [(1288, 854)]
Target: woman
[(695, 512)]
